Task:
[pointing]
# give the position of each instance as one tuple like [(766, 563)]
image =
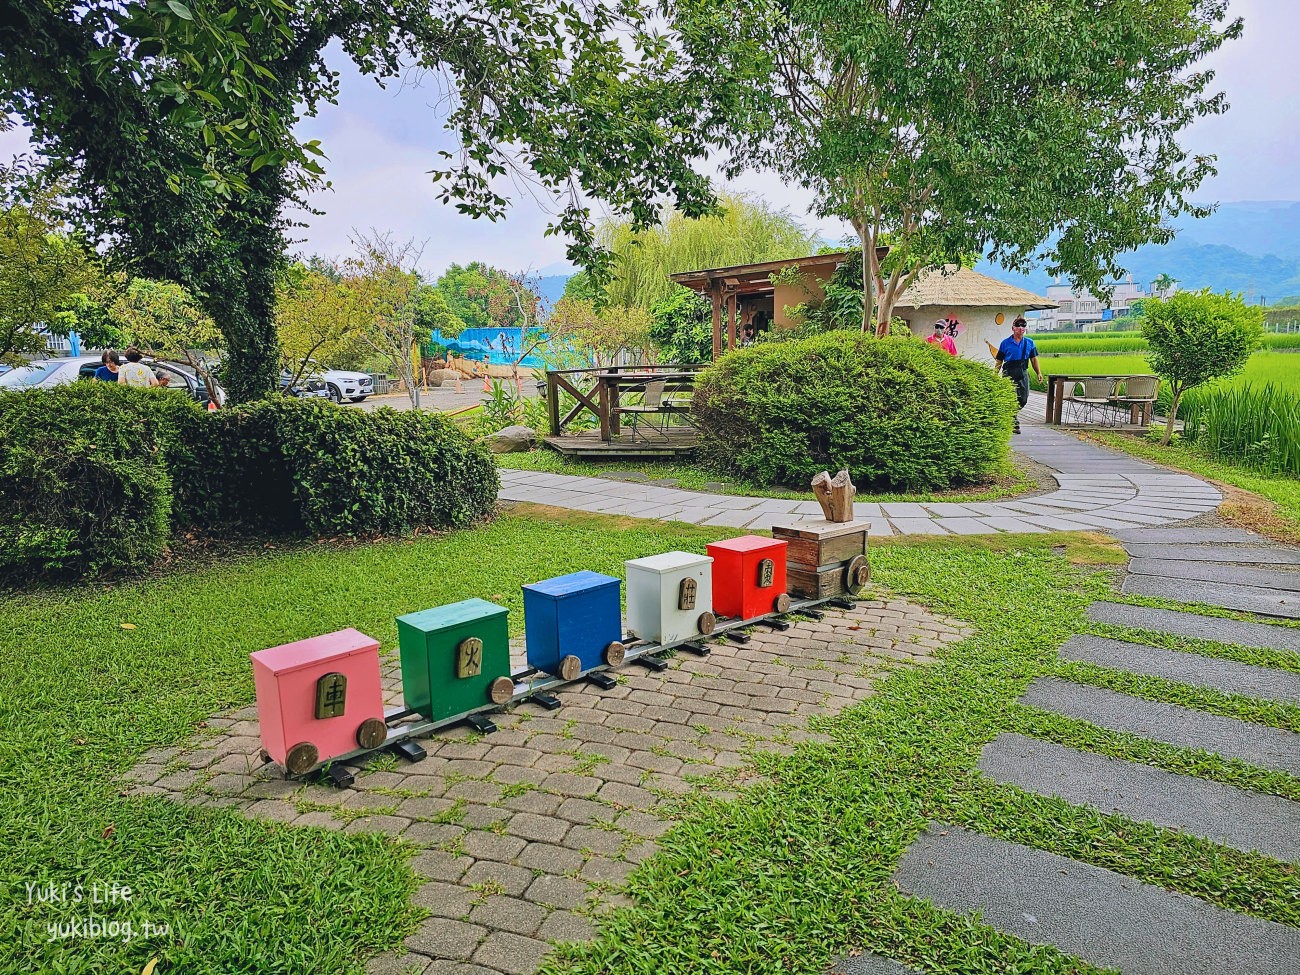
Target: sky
[(381, 143)]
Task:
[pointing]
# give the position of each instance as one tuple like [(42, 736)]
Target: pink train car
[(320, 698)]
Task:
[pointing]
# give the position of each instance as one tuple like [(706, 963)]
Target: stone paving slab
[(868, 964), (1246, 554), (1214, 811), (1110, 490), (1228, 676), (1189, 536), (1274, 577), (1266, 747), (528, 834), (1104, 917), (1246, 599), (1174, 623)]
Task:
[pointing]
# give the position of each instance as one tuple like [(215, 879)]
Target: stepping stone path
[(1104, 917), (528, 834), (1217, 567)]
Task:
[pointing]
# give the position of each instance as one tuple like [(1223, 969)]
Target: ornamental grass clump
[(1256, 425), (898, 414)]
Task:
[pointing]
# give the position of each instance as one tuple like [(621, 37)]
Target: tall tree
[(382, 280), (318, 318), (1026, 131), (746, 230), (175, 120)]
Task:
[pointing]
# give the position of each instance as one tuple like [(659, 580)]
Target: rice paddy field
[(1108, 343), (1252, 418)]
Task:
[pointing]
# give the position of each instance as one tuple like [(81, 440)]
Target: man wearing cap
[(941, 338), (1015, 355)]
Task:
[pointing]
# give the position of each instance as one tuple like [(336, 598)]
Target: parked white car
[(345, 385)]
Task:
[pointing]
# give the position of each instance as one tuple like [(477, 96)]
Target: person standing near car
[(135, 372), (107, 372), (1015, 355)]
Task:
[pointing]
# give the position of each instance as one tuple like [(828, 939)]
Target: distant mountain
[(551, 288), (1258, 228), (1253, 248)]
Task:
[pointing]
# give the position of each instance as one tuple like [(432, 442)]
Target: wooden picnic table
[(611, 384), (1056, 395)]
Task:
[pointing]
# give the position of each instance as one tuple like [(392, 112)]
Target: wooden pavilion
[(756, 296)]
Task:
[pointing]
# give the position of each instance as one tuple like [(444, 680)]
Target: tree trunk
[(868, 251), (885, 312), (1173, 414)]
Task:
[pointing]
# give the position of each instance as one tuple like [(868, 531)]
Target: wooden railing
[(607, 386)]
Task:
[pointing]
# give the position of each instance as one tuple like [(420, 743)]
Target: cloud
[(381, 182)]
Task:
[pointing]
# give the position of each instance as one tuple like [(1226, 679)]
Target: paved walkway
[(528, 833), (1098, 489)]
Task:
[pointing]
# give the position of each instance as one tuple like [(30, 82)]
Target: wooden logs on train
[(835, 495), (454, 657)]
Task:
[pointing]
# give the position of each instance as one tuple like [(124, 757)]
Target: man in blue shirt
[(1015, 355)]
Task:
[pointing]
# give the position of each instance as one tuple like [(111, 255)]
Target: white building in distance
[(1081, 310)]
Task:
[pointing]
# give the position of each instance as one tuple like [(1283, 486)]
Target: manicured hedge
[(84, 485), (896, 412), (308, 465), (94, 477)]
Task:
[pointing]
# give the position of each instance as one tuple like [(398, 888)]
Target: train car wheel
[(857, 575), (301, 758), (706, 623), (615, 653), (501, 690), (570, 667), (781, 603), (372, 733)]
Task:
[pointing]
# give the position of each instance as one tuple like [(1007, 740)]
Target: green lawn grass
[(81, 699), (1008, 481), (793, 873), (1279, 368), (799, 870)]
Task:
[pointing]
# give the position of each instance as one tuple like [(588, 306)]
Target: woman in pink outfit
[(941, 338)]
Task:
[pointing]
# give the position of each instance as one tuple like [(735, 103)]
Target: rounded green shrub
[(84, 480), (286, 465), (94, 477), (899, 414)]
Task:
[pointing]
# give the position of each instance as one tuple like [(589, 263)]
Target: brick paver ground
[(528, 834)]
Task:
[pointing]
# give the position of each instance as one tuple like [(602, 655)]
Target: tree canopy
[(174, 120), (44, 270), (1196, 336), (1025, 131)]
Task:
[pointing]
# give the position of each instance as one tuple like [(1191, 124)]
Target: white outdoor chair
[(1091, 405), (1140, 392)]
